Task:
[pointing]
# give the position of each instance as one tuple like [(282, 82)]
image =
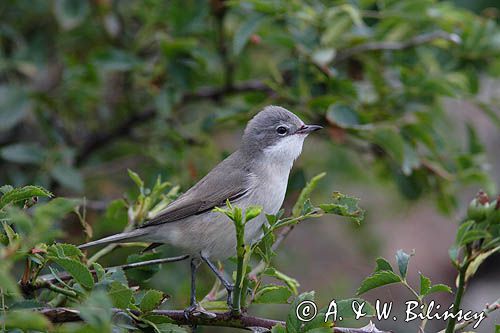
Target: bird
[(256, 174)]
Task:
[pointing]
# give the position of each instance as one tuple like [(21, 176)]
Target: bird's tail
[(124, 237)]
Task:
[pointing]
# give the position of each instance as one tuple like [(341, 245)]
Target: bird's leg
[(228, 285), (192, 300), (194, 308)]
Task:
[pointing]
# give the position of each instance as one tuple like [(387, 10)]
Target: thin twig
[(49, 278), (394, 46), (487, 310)]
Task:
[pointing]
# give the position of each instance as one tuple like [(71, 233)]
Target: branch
[(101, 139), (394, 46), (64, 315)]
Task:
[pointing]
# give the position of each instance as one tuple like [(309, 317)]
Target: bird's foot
[(196, 310)]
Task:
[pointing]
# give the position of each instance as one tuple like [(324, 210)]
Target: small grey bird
[(255, 174)]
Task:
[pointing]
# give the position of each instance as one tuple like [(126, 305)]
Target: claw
[(197, 310)]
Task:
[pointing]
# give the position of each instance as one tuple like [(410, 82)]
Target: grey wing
[(211, 191)]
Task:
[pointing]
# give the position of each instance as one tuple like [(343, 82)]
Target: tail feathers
[(123, 237)]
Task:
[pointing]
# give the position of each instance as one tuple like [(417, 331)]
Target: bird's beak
[(306, 129)]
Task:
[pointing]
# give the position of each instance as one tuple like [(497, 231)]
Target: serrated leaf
[(344, 205), (151, 300), (64, 251), (306, 193), (23, 193), (425, 285), (439, 288), (120, 295), (6, 188), (402, 259), (378, 279), (272, 294), (382, 265), (77, 270)]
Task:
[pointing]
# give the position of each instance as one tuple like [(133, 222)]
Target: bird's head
[(276, 133)]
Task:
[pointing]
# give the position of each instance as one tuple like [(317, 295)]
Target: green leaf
[(144, 273), (289, 281), (272, 294), (344, 205), (25, 320), (473, 235), (55, 209), (135, 177), (71, 13), (425, 285), (7, 283), (151, 300), (439, 288), (77, 270), (67, 176), (342, 115), (120, 295), (306, 193), (278, 328), (382, 265), (14, 106), (378, 279), (345, 308), (171, 328), (391, 141), (6, 188), (23, 193), (294, 324), (403, 259), (462, 229), (97, 311), (252, 212), (64, 251), (23, 153), (247, 28)]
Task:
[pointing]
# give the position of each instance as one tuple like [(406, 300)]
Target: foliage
[(91, 88), (110, 80)]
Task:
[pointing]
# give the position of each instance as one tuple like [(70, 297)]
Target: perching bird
[(254, 175)]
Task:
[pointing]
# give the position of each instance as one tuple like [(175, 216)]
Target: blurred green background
[(408, 92)]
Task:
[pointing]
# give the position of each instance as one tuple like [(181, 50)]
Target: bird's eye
[(281, 130)]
